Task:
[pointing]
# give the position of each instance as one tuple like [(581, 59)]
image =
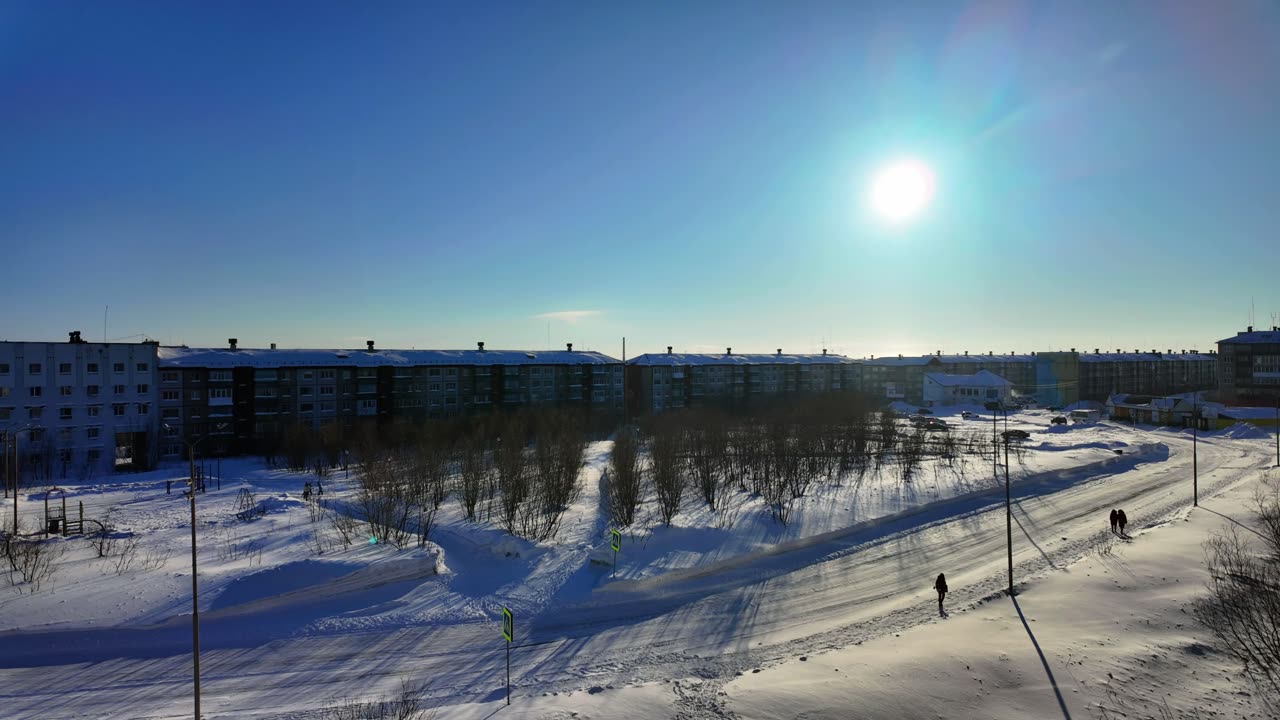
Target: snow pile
[(1244, 431)]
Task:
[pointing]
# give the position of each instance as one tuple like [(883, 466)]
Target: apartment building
[(78, 409), (1052, 378), (1249, 367), (233, 400), (657, 382)]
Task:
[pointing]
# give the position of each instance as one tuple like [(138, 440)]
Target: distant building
[(1249, 367), (944, 389), (1052, 378), (236, 400), (78, 409), (657, 382)]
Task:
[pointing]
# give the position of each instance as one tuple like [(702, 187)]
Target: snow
[(683, 359), (179, 357), (289, 624), (982, 378)]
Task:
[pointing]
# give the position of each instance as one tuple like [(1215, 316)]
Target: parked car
[(937, 424), (919, 420), (1059, 420), (1015, 434), (968, 415)]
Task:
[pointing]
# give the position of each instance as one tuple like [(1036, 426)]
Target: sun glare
[(902, 190)]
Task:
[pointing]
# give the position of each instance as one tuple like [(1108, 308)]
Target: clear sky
[(692, 174)]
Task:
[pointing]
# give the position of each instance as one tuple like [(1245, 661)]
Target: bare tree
[(667, 471), (622, 486), (33, 562)]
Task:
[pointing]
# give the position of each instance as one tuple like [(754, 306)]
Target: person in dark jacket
[(941, 586), (1122, 520), (1115, 521)]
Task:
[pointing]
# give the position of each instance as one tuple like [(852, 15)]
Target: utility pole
[(1008, 513), (1195, 463), (1278, 429), (195, 593)]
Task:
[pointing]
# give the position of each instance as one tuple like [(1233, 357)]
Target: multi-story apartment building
[(233, 400), (78, 409), (1053, 378), (668, 381), (1249, 367)]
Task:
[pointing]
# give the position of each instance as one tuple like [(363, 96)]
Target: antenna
[(105, 308)]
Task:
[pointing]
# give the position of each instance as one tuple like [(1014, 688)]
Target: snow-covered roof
[(982, 378), (950, 359), (1253, 337), (1145, 357), (177, 357), (682, 359)]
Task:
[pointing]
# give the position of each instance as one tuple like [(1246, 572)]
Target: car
[(936, 424), (1015, 434), (1059, 420), (968, 415), (919, 421)]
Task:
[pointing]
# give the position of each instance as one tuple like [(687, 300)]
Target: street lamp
[(15, 467), (195, 590), (1195, 438), (1008, 512)]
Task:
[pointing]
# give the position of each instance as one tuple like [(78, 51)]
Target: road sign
[(508, 625), (615, 540)]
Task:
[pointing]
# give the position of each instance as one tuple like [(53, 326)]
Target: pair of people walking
[(1118, 521)]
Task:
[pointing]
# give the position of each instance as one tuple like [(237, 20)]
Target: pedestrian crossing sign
[(508, 624)]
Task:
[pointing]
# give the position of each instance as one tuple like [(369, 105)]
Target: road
[(709, 623)]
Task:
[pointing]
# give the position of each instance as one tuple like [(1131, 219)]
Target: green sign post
[(615, 542), (508, 632)]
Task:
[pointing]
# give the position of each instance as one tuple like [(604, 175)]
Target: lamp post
[(1008, 513), (1195, 464), (15, 467)]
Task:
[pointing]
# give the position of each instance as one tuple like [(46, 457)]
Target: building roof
[(177, 357), (982, 378), (1145, 357), (1253, 337), (682, 359), (950, 359)]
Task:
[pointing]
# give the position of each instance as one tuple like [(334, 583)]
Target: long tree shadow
[(1235, 521), (1062, 703)]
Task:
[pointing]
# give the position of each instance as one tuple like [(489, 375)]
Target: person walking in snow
[(941, 586), (1122, 520), (306, 492), (1115, 520)]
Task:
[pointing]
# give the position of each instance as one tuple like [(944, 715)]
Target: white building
[(78, 409), (943, 389)]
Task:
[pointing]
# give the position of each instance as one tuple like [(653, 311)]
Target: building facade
[(984, 386), (657, 382), (1249, 368), (79, 409), (235, 400)]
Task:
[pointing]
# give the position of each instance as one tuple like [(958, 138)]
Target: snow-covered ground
[(286, 628)]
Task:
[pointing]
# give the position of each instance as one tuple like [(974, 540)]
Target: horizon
[(430, 176)]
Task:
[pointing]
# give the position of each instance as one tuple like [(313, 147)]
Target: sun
[(902, 190)]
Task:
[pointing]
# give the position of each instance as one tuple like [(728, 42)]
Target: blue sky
[(689, 174)]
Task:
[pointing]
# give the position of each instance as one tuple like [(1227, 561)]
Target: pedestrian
[(306, 491), (1115, 520), (941, 586), (1122, 520), (320, 487)]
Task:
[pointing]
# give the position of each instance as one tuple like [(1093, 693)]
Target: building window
[(64, 413), (326, 374), (35, 413), (307, 375), (142, 367), (304, 391), (92, 433), (220, 393), (144, 408), (169, 376), (346, 406), (34, 369), (172, 395), (195, 395), (305, 407), (170, 413), (64, 368), (37, 435), (326, 390), (451, 372), (482, 399), (117, 367), (118, 389), (117, 409), (65, 391), (451, 387), (368, 404), (94, 410), (64, 435), (326, 407), (64, 456), (219, 376), (434, 372), (92, 390), (4, 391), (95, 455), (170, 431), (91, 368), (4, 368), (6, 413), (35, 391)]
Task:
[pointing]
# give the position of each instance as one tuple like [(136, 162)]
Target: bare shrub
[(473, 475), (122, 561), (667, 471), (1243, 606), (408, 705), (155, 558), (345, 526), (31, 562)]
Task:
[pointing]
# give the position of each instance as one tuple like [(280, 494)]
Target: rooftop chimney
[(369, 345), (966, 353), (1073, 349), (824, 351), (1095, 351), (728, 351), (569, 347), (779, 351), (1250, 329), (938, 353), (273, 346), (74, 338), (668, 349), (480, 346), (232, 342)]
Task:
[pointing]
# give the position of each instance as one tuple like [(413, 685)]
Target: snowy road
[(708, 623)]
